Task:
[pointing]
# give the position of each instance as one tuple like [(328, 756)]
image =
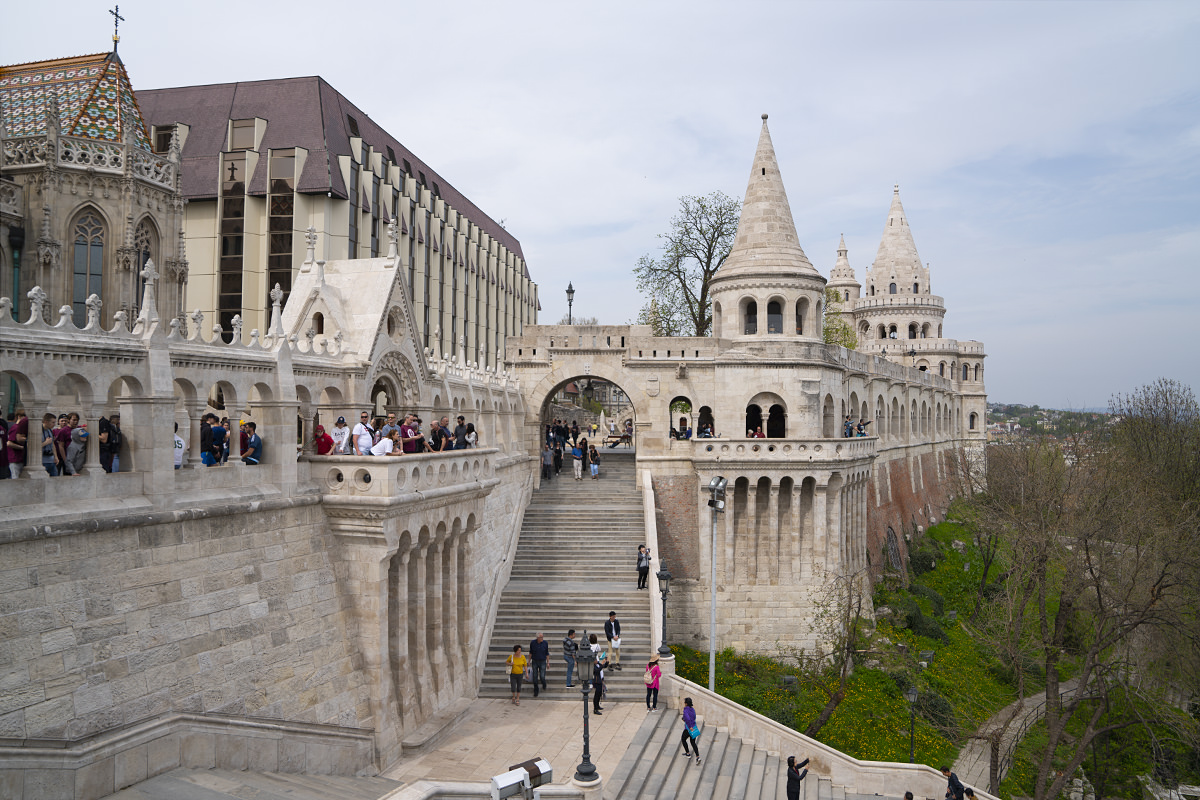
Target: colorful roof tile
[(91, 94)]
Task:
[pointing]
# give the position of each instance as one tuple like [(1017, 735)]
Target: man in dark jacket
[(612, 630), (570, 653), (539, 652), (954, 787)]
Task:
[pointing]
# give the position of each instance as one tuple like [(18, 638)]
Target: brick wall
[(675, 511)]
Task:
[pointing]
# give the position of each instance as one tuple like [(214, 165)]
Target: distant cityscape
[(1007, 421)]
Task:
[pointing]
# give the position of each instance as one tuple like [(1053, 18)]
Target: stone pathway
[(974, 761), (496, 734)]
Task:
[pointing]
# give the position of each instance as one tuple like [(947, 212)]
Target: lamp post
[(912, 352), (570, 301), (586, 771), (664, 584), (716, 488), (910, 694)]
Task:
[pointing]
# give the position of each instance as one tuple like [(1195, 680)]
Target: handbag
[(694, 732)]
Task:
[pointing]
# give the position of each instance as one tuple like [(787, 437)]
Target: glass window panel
[(281, 243), (280, 224), (282, 205), (242, 137), (231, 282)]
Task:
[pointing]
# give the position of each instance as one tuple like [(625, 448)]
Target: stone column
[(36, 408), (235, 437), (796, 540), (149, 440), (726, 569), (773, 510), (195, 412), (819, 546), (435, 628), (466, 622), (746, 563), (421, 625), (398, 656)]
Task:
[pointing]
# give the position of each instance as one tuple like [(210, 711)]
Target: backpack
[(648, 677)]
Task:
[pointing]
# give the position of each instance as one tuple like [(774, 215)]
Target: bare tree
[(676, 283)]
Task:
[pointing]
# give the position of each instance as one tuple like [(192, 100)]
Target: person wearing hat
[(795, 774), (341, 437), (651, 676), (77, 451), (322, 441)]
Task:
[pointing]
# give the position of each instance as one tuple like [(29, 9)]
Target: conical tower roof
[(897, 250), (766, 240), (842, 271)]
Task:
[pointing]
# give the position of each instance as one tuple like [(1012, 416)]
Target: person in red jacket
[(322, 440)]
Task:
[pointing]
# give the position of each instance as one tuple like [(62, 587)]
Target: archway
[(776, 422), (754, 419), (586, 400)]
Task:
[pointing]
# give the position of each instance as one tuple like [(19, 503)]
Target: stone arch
[(801, 314), (754, 419), (705, 420), (925, 331), (828, 423), (775, 307), (894, 424), (882, 331), (90, 244), (912, 330), (880, 416), (394, 374), (681, 415), (716, 319), (776, 422), (974, 420), (569, 368), (73, 384), (864, 330), (749, 315)]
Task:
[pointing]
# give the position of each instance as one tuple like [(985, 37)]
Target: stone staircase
[(575, 562), (653, 768), (218, 784)]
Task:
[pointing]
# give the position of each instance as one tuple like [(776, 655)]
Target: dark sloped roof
[(300, 112)]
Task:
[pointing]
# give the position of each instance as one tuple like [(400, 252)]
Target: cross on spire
[(117, 20)]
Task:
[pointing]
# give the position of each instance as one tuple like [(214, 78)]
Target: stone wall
[(675, 512)]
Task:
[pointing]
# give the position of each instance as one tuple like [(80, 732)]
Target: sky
[(1048, 154)]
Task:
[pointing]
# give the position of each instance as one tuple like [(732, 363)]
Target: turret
[(897, 268), (767, 286), (842, 277)]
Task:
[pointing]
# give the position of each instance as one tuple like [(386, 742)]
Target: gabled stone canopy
[(766, 240)]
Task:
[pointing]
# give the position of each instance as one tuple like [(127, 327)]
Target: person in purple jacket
[(691, 734)]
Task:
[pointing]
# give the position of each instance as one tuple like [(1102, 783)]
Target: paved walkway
[(974, 761), (496, 734)]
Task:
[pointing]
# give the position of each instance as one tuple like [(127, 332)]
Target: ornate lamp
[(664, 587), (570, 301), (586, 772)]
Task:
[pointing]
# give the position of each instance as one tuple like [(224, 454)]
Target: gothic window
[(891, 288), (374, 215), (966, 372), (847, 297), (751, 317), (942, 369), (774, 317), (233, 228), (87, 262)]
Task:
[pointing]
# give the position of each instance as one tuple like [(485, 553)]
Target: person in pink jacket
[(651, 676)]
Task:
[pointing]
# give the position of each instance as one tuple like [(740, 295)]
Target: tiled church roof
[(91, 94)]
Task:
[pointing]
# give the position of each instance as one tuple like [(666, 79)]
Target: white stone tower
[(767, 287), (841, 277)]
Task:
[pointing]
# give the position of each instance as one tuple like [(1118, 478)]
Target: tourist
[(558, 459), (643, 565), (460, 434), (650, 678), (691, 732), (574, 431), (363, 435), (758, 433), (862, 427), (322, 441), (388, 445), (219, 435), (49, 462), (252, 453), (410, 437), (18, 437), (795, 774), (206, 456), (954, 787), (439, 439), (598, 666), (577, 462), (594, 462), (612, 632), (62, 439), (472, 436), (228, 426), (341, 437), (547, 462), (389, 425), (570, 653), (377, 430), (847, 428), (77, 450), (4, 450), (539, 653), (516, 672), (110, 443), (180, 448)]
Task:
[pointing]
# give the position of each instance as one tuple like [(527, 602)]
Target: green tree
[(836, 329), (676, 283)]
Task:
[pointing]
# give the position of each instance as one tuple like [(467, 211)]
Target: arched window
[(939, 331), (892, 332), (966, 372), (753, 419), (973, 419), (976, 372), (847, 297), (774, 317), (87, 262), (891, 288), (872, 290), (705, 424), (319, 322), (925, 331), (942, 369), (882, 332), (145, 242), (912, 330), (716, 320), (801, 313), (916, 289), (776, 422), (751, 317)]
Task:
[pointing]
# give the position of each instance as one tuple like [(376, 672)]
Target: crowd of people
[(385, 436), (850, 429), (63, 442)]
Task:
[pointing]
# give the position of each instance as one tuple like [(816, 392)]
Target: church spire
[(841, 277), (766, 238), (897, 250)]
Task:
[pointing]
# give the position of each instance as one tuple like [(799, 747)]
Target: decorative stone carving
[(310, 252), (236, 324), (101, 156), (29, 151), (93, 304), (49, 248), (37, 299)]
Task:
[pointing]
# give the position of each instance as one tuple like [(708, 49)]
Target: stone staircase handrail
[(859, 777), (656, 615)]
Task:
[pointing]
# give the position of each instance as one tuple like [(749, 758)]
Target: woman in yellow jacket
[(516, 672)]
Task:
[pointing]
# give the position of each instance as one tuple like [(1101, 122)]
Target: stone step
[(216, 784)]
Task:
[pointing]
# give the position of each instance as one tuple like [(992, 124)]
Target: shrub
[(939, 605), (938, 712), (923, 561), (928, 627)]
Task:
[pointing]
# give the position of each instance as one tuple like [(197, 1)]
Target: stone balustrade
[(387, 478), (768, 451), (899, 301)]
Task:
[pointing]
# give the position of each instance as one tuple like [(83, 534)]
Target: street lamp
[(570, 301), (716, 488), (586, 772), (664, 583), (910, 694), (913, 353)]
